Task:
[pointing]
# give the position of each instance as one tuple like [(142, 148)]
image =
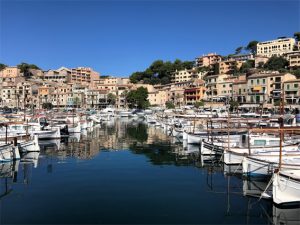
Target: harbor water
[(127, 172)]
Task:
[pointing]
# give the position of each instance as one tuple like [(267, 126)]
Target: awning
[(257, 88)]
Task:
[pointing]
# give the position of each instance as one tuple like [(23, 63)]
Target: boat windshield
[(33, 120), (260, 142)]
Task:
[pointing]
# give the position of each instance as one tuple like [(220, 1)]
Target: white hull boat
[(286, 187), (262, 166), (30, 146), (48, 134), (75, 129), (8, 153)]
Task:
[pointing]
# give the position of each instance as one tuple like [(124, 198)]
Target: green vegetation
[(170, 105), (137, 133), (233, 105), (76, 102), (47, 105), (2, 66), (138, 98), (159, 72), (276, 63), (297, 36), (296, 72), (111, 99), (252, 47), (199, 104), (238, 50), (246, 66), (215, 68), (25, 69)]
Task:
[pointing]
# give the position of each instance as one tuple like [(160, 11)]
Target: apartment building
[(229, 66), (176, 95), (240, 89), (208, 60), (195, 92), (225, 88), (266, 87), (112, 84), (44, 95), (276, 47), (60, 75), (11, 74), (186, 75), (8, 94), (292, 92), (60, 95), (83, 75), (213, 88), (293, 58), (158, 97), (241, 57)]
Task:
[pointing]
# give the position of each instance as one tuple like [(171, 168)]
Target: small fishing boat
[(286, 187), (9, 152), (30, 146)]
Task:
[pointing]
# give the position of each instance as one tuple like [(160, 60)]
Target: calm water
[(126, 172)]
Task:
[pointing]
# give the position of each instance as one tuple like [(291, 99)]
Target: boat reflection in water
[(256, 188), (135, 165), (286, 215)]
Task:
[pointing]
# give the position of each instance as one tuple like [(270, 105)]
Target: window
[(288, 86), (257, 81), (251, 81), (264, 81), (295, 85)]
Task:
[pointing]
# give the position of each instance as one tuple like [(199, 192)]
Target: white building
[(276, 47)]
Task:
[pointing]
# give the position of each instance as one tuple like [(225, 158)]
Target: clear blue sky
[(120, 37)]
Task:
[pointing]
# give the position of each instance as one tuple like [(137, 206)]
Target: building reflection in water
[(160, 149)]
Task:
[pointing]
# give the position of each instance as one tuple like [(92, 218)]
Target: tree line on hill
[(159, 72)]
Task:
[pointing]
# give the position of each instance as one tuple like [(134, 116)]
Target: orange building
[(195, 92)]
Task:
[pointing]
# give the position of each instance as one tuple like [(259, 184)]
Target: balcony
[(292, 96)]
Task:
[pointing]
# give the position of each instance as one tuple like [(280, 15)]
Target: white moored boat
[(8, 153), (30, 146), (286, 187)]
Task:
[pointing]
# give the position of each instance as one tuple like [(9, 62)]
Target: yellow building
[(158, 97), (186, 75), (275, 47)]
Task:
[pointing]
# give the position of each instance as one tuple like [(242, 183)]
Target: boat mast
[(281, 125)]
